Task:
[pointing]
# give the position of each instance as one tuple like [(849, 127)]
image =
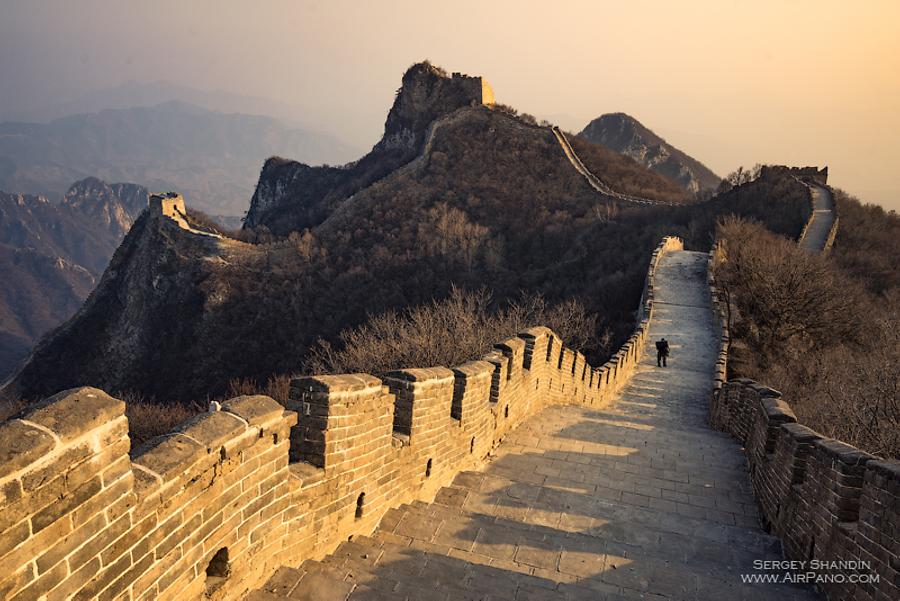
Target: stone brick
[(66, 504), (14, 536), (256, 410), (64, 545), (59, 465), (171, 456), (21, 445), (42, 584), (73, 412), (213, 429)]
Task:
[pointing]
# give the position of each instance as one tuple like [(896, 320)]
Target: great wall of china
[(528, 474), (81, 518)]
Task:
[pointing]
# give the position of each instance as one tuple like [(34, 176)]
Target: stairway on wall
[(635, 500)]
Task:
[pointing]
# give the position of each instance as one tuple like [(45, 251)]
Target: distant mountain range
[(626, 135), (53, 253), (212, 158), (132, 94)]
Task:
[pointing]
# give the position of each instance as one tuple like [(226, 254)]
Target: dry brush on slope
[(451, 331), (807, 326)]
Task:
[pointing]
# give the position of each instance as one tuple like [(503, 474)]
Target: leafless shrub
[(739, 177), (148, 419), (791, 301), (810, 330), (447, 332), (277, 387)]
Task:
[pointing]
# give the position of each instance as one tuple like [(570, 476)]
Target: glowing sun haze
[(731, 83)]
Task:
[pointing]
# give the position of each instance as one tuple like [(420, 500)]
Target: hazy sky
[(796, 82)]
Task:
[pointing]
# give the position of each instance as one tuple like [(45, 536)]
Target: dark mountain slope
[(52, 253), (38, 293), (626, 135)]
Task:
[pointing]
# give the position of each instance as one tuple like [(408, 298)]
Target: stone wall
[(824, 499), (832, 233), (803, 173), (593, 180), (216, 506)]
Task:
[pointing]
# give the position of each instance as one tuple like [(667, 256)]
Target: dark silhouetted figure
[(662, 351)]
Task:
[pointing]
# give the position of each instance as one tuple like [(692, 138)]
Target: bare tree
[(446, 332)]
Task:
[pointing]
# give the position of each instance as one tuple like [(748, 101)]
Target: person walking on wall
[(662, 351)]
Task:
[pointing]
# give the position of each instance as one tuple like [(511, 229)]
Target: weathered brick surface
[(82, 518)]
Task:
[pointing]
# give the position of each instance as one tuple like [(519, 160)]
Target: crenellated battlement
[(215, 507), (807, 174)]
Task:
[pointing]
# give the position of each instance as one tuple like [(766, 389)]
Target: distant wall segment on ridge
[(807, 174), (476, 87), (826, 500), (215, 507)]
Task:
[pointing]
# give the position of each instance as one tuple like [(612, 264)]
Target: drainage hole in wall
[(218, 570)]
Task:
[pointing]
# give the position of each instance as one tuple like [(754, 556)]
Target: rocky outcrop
[(150, 299), (112, 206), (292, 196), (426, 94), (626, 135)]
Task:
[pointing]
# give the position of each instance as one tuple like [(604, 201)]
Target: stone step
[(706, 565), (391, 566), (596, 514), (453, 527)]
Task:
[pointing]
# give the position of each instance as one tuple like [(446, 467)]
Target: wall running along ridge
[(215, 507), (593, 180), (810, 176), (826, 500)]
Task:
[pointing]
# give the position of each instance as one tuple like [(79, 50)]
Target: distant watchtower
[(475, 87), (171, 205)]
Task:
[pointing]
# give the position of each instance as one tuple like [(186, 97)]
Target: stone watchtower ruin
[(477, 88), (171, 205)]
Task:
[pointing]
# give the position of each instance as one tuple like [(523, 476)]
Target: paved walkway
[(822, 219), (639, 500)]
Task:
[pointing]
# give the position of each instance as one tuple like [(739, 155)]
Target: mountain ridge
[(626, 135)]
